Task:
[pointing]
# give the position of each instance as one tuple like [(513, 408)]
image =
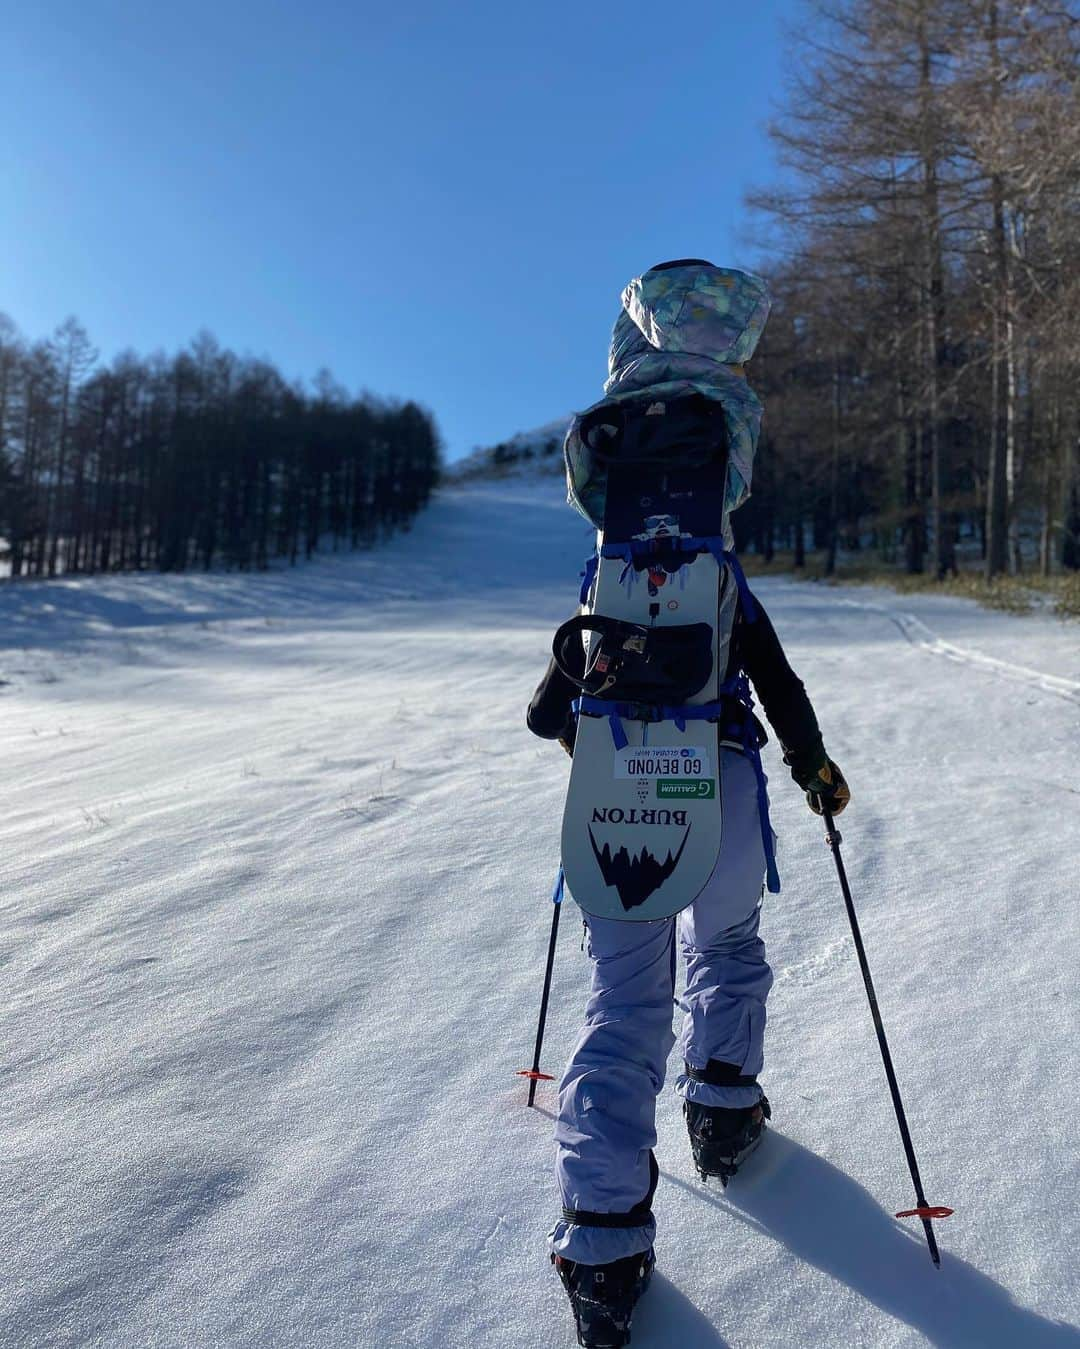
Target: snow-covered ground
[(275, 857)]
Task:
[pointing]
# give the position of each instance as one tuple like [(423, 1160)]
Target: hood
[(715, 314)]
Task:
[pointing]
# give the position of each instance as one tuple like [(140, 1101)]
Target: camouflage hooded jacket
[(683, 329)]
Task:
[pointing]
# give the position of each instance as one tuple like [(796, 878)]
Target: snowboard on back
[(642, 824)]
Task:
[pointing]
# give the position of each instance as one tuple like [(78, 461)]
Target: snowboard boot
[(721, 1139), (603, 1297)]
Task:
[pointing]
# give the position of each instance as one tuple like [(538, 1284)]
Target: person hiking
[(602, 1246)]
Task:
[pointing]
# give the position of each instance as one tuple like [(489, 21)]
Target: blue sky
[(440, 201)]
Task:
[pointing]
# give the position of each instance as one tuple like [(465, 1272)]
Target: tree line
[(921, 368), (200, 459)]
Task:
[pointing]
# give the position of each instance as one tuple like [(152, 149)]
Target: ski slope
[(275, 857)]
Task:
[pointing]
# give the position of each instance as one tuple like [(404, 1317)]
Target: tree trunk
[(834, 473), (997, 486)]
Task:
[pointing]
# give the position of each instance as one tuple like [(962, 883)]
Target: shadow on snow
[(828, 1220)]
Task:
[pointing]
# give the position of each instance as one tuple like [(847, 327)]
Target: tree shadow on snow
[(827, 1219)]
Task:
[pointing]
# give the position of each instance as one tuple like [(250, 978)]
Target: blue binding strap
[(749, 606), (635, 550), (772, 875), (615, 712), (625, 552), (587, 576), (618, 732), (601, 707), (753, 753)]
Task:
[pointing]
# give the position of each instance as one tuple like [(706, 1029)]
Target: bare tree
[(930, 150), (204, 458)]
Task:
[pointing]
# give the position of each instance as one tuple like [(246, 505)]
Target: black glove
[(827, 787)]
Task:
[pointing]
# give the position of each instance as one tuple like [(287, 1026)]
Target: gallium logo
[(699, 789)]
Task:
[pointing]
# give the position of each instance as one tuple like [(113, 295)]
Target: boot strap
[(637, 1217), (717, 1073)]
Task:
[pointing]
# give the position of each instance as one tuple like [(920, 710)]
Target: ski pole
[(924, 1210), (534, 1074)]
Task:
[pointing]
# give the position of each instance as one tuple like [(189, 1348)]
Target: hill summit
[(528, 453)]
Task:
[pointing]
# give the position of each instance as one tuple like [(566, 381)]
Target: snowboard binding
[(603, 1297), (633, 663), (721, 1139)]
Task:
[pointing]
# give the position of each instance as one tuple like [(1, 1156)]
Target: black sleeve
[(782, 695), (549, 714)]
